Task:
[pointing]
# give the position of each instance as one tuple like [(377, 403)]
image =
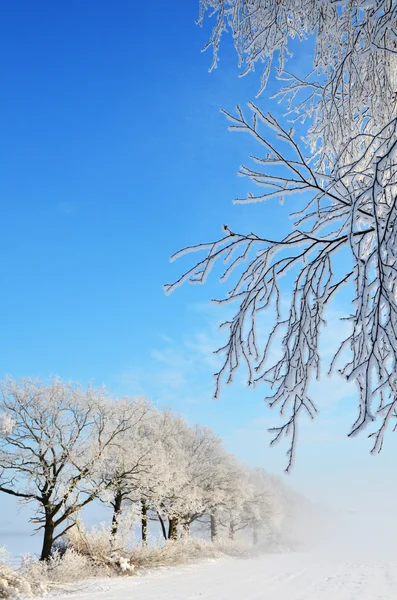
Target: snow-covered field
[(271, 577)]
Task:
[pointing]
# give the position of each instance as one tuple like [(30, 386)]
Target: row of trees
[(63, 446)]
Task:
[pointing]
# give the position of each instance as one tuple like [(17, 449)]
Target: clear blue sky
[(113, 155)]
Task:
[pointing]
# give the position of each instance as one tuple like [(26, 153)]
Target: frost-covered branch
[(349, 218), (345, 170)]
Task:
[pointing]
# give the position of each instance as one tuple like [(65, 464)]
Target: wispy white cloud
[(176, 371), (187, 365), (179, 372)]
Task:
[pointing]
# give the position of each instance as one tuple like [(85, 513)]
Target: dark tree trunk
[(144, 522), (162, 526), (231, 530), (172, 529), (214, 528), (118, 499), (48, 539)]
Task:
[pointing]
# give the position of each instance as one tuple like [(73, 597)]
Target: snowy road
[(271, 577)]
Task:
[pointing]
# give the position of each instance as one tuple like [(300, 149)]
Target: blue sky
[(114, 155)]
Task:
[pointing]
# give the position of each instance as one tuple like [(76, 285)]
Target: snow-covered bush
[(96, 545), (36, 577), (184, 551), (16, 584), (59, 568), (101, 549)]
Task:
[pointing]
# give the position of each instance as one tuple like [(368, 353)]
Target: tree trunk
[(118, 499), (144, 522), (231, 530), (214, 528), (162, 526), (173, 528), (48, 539)]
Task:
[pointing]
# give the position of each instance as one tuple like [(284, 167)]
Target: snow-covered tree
[(54, 437), (216, 476), (177, 497), (192, 477), (261, 503), (225, 503), (230, 513), (129, 464), (337, 160), (267, 508)]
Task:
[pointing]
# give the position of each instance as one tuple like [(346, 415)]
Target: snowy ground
[(271, 577)]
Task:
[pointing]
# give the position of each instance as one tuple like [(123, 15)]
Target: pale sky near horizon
[(114, 155)]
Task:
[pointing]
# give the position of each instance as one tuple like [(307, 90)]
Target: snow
[(270, 577)]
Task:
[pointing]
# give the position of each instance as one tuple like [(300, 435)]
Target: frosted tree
[(176, 495), (211, 473), (268, 509), (230, 503), (129, 464), (341, 175), (191, 475), (53, 439)]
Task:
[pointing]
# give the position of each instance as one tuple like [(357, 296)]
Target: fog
[(357, 521)]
